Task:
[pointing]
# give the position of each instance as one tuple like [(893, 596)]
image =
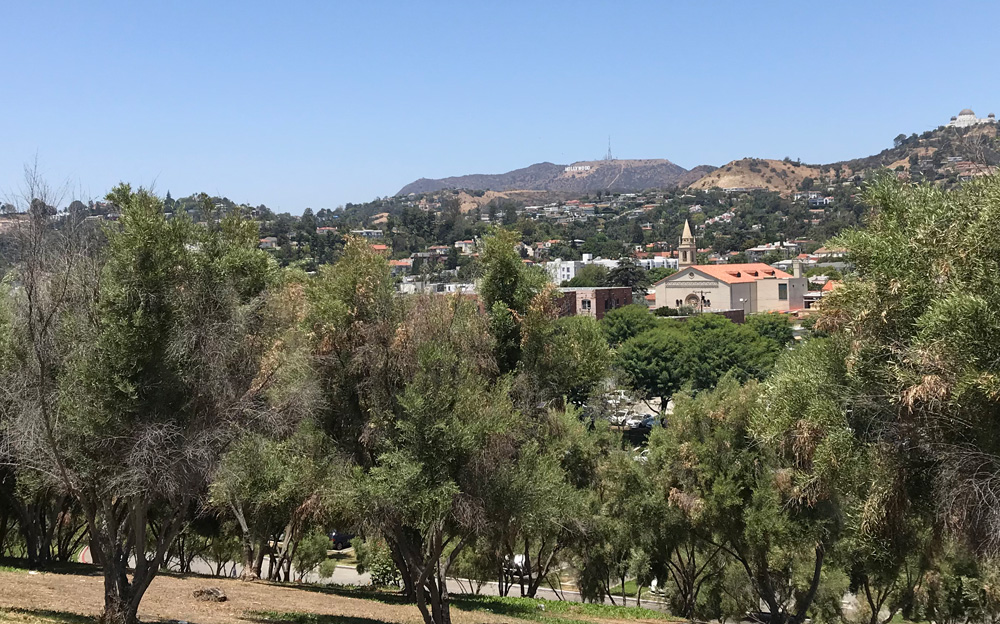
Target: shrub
[(375, 559)]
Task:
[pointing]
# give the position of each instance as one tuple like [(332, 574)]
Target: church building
[(754, 287)]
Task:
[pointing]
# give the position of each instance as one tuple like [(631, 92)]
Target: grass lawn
[(75, 596), (525, 609)]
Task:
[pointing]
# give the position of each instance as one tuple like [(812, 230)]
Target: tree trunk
[(803, 605), (4, 519), (249, 571), (118, 594), (404, 571), (258, 564)]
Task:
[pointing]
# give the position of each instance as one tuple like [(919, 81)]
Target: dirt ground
[(169, 599)]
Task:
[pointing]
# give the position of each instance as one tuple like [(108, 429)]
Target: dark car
[(340, 540)]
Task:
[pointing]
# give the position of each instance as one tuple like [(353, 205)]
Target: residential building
[(465, 246), (813, 297), (658, 261), (806, 195), (563, 270), (594, 302), (400, 267), (783, 249), (268, 242), (368, 233)]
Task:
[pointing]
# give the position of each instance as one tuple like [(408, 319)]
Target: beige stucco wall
[(690, 282), (767, 294), (761, 295)]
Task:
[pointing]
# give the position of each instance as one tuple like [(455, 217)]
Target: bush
[(375, 559), (310, 552)]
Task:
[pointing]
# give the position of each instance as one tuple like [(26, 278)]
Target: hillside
[(941, 155), (776, 175), (580, 177), (946, 154)]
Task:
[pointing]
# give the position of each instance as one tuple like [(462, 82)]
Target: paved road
[(348, 575)]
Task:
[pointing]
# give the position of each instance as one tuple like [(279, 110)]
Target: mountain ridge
[(933, 155), (581, 176)]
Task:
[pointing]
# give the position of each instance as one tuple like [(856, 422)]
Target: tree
[(655, 275), (551, 506), (629, 273), (923, 352), (565, 358), (626, 322), (507, 288), (773, 326), (734, 494), (589, 276), (719, 346), (269, 486), (52, 272), (439, 470), (656, 362), (699, 351), (175, 356)]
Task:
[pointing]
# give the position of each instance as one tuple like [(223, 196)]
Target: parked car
[(635, 421), (619, 418), (514, 568), (340, 540)]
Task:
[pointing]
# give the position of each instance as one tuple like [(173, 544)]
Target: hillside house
[(368, 234), (784, 249), (465, 247), (400, 267)]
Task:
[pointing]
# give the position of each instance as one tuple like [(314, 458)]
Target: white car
[(634, 420)]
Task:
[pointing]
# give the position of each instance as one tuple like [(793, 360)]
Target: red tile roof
[(734, 273)]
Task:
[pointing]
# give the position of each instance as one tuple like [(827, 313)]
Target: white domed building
[(967, 118)]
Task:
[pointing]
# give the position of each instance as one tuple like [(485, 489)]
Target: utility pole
[(704, 302)]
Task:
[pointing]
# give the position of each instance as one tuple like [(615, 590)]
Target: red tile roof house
[(755, 287)]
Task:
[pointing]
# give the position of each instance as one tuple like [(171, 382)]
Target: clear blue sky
[(298, 104)]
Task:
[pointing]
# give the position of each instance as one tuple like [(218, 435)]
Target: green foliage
[(655, 275), (698, 351), (507, 288), (588, 276), (656, 361), (626, 322), (375, 559), (566, 357), (629, 273), (735, 489), (310, 552), (777, 327), (919, 321)]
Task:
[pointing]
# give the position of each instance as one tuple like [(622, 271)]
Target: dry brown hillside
[(775, 175)]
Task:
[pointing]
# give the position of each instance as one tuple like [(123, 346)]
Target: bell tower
[(687, 251)]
